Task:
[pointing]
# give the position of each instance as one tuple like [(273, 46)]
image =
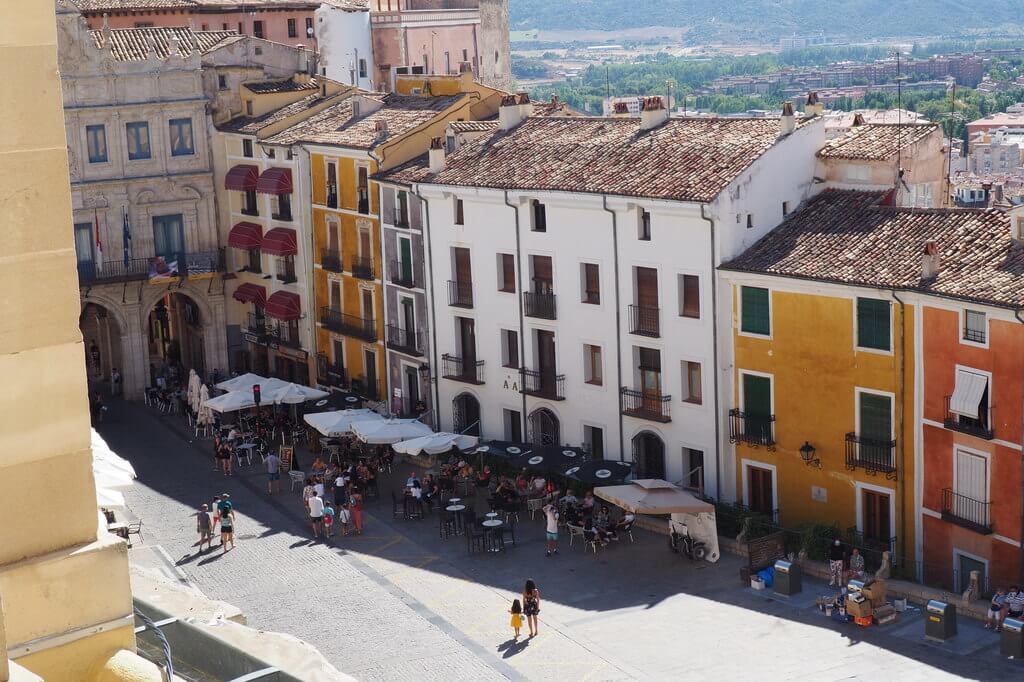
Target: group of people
[(842, 568), (221, 511), (347, 483), (1005, 604)]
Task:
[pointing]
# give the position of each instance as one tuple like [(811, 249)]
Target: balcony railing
[(543, 384), (872, 455), (405, 340), (539, 305), (646, 405), (283, 335), (349, 325), (402, 275), (256, 325), (466, 370), (982, 427), (362, 267), (460, 294), (965, 511), (189, 264), (752, 430), (331, 260), (644, 321), (329, 373)]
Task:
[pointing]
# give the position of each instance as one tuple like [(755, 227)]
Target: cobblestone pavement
[(398, 603)]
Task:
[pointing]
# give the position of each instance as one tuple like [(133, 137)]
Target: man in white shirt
[(551, 528), (316, 514)]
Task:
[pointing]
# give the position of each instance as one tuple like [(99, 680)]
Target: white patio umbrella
[(245, 382), (109, 499), (339, 423), (231, 401), (205, 416), (294, 394), (436, 443), (387, 431), (110, 471)]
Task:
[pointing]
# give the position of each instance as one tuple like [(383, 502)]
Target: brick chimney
[(525, 105), (436, 155), (620, 110), (858, 120), (813, 107), (787, 123), (930, 260), (653, 113), (510, 114)]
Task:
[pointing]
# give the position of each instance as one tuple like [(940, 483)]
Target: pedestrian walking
[(94, 357), (328, 519), (307, 492), (344, 518), (273, 463), (356, 507), (551, 515), (835, 564), (316, 514), (517, 617), (531, 605), (115, 383), (204, 526), (227, 528)]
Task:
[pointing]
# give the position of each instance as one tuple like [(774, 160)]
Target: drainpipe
[(522, 326), (414, 190), (714, 351), (1020, 567), (901, 445), (618, 321)]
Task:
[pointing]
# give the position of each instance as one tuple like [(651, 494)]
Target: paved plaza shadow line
[(607, 581)]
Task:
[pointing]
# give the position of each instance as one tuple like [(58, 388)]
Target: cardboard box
[(875, 592), (861, 609), (885, 614)]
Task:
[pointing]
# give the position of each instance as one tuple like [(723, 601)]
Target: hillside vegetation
[(749, 20)]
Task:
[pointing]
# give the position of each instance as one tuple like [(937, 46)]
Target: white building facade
[(345, 45)]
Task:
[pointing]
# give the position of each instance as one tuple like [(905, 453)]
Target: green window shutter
[(873, 324), (757, 396), (754, 307), (875, 417)]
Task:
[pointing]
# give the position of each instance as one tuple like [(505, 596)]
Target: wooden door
[(365, 244), (333, 239), (463, 268), (759, 490), (543, 282), (368, 312), (546, 359), (757, 407), (370, 371), (650, 378), (467, 338), (335, 302), (647, 287), (877, 524), (405, 262), (408, 316)]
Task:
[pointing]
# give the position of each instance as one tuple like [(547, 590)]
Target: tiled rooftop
[(410, 172), (93, 6), (132, 44), (685, 159), (473, 126), (335, 125), (875, 141), (251, 125), (849, 237), (286, 85)]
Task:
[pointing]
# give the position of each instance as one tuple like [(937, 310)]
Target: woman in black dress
[(531, 605)]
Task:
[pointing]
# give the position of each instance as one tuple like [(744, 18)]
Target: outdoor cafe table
[(457, 510), (491, 528)]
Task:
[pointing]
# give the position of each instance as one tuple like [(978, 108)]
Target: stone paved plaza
[(398, 603)]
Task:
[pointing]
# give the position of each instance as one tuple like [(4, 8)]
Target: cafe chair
[(397, 508), (446, 525), (475, 540), (533, 506), (134, 529), (574, 532), (297, 478)]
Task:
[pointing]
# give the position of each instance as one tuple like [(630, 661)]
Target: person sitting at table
[(572, 514), (234, 434), (570, 497), (429, 486), (466, 470), (603, 518), (412, 479), (522, 482), (319, 467), (539, 484), (593, 533), (483, 479), (588, 503), (416, 490)]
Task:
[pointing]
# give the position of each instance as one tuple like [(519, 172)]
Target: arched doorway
[(649, 455), (545, 428), (466, 415), (175, 337), (101, 335)]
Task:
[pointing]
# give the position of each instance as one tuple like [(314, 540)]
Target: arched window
[(544, 427)]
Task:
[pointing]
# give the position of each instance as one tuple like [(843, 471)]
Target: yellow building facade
[(821, 417)]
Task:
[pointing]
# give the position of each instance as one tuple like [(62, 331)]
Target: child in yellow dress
[(517, 616)]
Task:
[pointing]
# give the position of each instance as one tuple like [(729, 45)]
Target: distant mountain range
[(747, 20)]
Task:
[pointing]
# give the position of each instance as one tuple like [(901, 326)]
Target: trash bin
[(1011, 643), (787, 578), (940, 621)]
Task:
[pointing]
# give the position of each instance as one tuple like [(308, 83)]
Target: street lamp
[(425, 373), (807, 455)]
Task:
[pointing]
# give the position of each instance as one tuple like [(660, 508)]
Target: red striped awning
[(242, 178), (251, 293), (275, 181), (281, 241), (284, 306), (245, 236)]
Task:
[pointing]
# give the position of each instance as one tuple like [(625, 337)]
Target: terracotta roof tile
[(473, 126), (133, 44), (851, 238), (286, 85), (685, 159), (410, 172), (251, 125), (123, 5), (875, 141)]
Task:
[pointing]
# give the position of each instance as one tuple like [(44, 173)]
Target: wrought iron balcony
[(644, 321), (349, 325), (967, 512), (405, 340), (466, 370), (460, 294), (539, 305), (331, 260), (752, 430), (981, 427), (872, 455), (256, 325), (543, 384), (362, 267), (329, 373), (283, 335), (646, 405), (402, 275), (192, 264)]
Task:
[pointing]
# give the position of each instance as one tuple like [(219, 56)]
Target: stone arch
[(544, 427), (466, 415), (649, 454), (107, 342)]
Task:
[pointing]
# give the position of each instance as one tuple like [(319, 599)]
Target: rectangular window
[(460, 218), (510, 348), (222, 82), (689, 296), (309, 25), (247, 148), (974, 326), (593, 441), (96, 140), (750, 221), (137, 133), (286, 269), (513, 425), (593, 372), (591, 283), (754, 309), (873, 323), (540, 216), (84, 240), (282, 208), (255, 262), (169, 238), (693, 469), (971, 478), (506, 273), (401, 208), (875, 419), (257, 29), (785, 208), (691, 382), (249, 205), (644, 228), (362, 68), (240, 31), (181, 137), (292, 30)]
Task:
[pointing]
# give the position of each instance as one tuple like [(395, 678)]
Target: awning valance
[(284, 306), (281, 241), (245, 236), (966, 398), (275, 181), (251, 293), (242, 178)]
